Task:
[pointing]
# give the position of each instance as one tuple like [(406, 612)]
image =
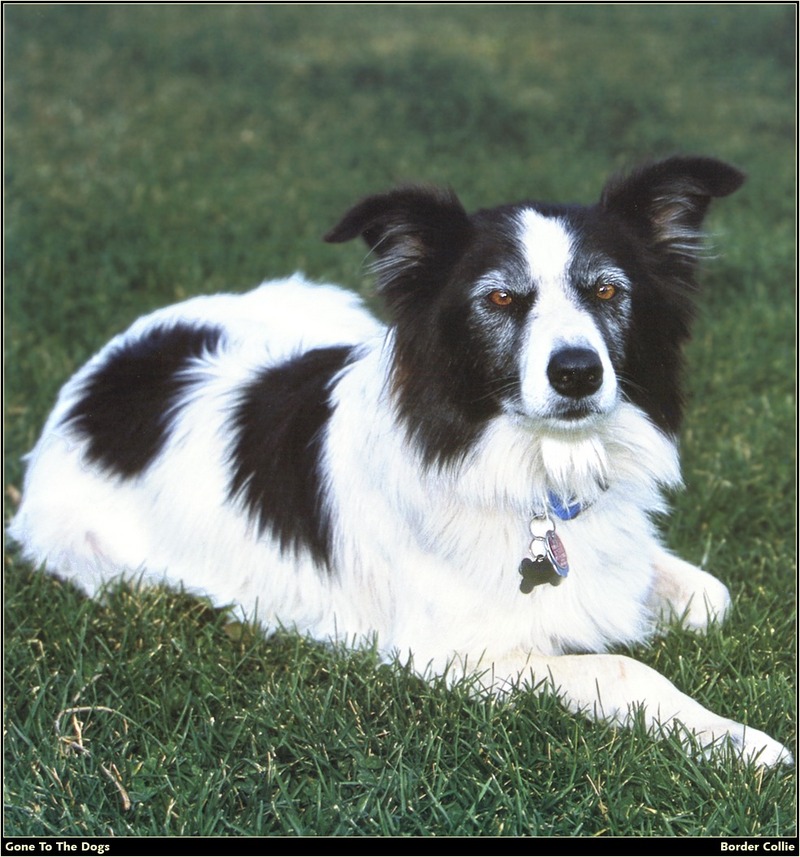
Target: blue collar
[(563, 511)]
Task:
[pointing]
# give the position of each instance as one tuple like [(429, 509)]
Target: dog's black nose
[(575, 372)]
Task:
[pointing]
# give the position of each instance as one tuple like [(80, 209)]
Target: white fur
[(424, 558), (557, 319)]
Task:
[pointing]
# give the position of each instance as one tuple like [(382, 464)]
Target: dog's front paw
[(687, 594), (750, 745), (709, 604)]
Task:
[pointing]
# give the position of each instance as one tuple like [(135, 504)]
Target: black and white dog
[(472, 485)]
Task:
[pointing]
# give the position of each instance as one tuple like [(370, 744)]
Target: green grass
[(157, 152)]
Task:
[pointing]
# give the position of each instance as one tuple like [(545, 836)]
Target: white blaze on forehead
[(546, 245), (557, 319)]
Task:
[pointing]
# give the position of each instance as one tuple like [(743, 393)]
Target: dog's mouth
[(565, 416), (574, 412), (571, 423)]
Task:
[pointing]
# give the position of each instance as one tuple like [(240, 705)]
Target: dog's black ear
[(667, 201), (406, 227)]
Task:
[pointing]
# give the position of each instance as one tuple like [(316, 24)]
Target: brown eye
[(500, 297), (604, 291)]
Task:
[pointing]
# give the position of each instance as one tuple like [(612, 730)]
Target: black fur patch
[(129, 403), (278, 430)]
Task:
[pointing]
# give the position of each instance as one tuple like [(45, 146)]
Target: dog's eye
[(604, 291), (500, 297)]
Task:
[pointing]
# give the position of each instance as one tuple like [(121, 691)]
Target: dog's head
[(549, 313)]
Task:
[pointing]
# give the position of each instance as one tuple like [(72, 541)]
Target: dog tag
[(547, 561), (535, 573), (557, 554)]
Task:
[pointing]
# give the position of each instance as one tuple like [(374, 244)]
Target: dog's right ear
[(407, 228)]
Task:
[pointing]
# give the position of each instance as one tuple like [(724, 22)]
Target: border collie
[(472, 486)]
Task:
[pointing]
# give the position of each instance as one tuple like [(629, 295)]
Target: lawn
[(160, 151)]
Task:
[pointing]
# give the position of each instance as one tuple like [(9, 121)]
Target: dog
[(472, 486)]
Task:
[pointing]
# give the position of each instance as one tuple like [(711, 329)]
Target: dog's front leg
[(684, 593), (616, 688)]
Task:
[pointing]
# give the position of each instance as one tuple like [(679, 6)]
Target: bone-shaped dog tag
[(547, 562), (535, 573)]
